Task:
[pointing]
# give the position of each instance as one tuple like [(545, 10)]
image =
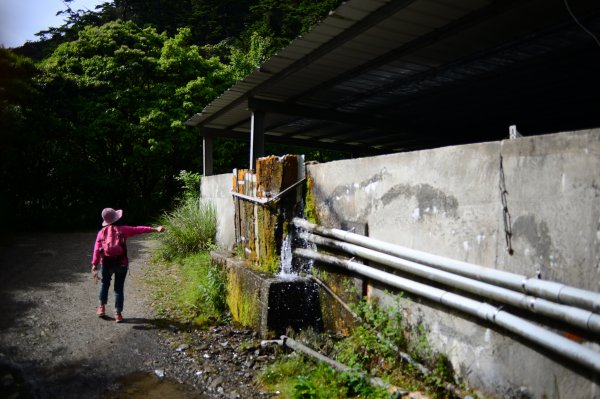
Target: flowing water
[(287, 272)]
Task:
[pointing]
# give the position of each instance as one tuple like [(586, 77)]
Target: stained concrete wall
[(217, 190), (448, 201)]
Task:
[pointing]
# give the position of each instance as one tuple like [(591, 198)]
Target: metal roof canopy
[(382, 76)]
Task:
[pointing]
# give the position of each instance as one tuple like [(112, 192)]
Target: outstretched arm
[(129, 231)]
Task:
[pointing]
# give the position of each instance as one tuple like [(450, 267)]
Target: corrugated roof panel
[(276, 64), (292, 86), (303, 43), (279, 62), (327, 30), (297, 53), (338, 21), (362, 5), (323, 35), (466, 4), (395, 34), (442, 52), (381, 41), (365, 50), (351, 13), (325, 99), (256, 78), (417, 17), (360, 76), (399, 27), (272, 96), (450, 11), (402, 24), (402, 67), (343, 60)]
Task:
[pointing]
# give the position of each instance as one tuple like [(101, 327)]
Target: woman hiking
[(110, 253)]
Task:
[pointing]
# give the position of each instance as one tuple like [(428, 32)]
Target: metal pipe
[(556, 292), (257, 200), (534, 333), (336, 297), (403, 355), (297, 346), (569, 314), (264, 201), (286, 341)]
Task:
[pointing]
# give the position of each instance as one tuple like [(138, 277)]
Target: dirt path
[(52, 345)]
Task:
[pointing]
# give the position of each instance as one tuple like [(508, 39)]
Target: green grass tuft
[(189, 289), (190, 228)]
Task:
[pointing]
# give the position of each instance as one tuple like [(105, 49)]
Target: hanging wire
[(505, 212), (586, 30)]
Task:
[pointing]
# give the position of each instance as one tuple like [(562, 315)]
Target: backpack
[(113, 244)]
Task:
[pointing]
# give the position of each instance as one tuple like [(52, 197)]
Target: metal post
[(257, 137)]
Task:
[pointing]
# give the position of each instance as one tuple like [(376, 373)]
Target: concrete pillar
[(257, 137)]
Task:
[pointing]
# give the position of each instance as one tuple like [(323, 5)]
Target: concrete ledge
[(266, 303)]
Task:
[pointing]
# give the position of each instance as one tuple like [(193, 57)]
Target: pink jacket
[(127, 231)]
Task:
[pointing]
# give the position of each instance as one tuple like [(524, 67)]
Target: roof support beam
[(207, 155), (319, 114), (304, 143)]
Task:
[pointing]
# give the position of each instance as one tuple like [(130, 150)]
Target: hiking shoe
[(118, 317), (100, 311)]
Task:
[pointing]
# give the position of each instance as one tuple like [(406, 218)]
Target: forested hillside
[(92, 115)]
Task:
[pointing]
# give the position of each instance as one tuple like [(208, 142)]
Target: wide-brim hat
[(109, 216)]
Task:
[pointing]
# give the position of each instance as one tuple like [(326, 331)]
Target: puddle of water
[(145, 385)]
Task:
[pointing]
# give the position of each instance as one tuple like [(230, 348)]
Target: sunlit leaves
[(120, 94)]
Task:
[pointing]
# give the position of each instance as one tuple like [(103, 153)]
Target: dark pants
[(107, 269)]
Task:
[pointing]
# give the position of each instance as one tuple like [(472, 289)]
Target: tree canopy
[(96, 117)]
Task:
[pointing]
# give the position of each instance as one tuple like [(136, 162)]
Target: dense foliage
[(93, 114)]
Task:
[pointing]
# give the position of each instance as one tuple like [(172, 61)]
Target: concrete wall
[(217, 189), (448, 202)]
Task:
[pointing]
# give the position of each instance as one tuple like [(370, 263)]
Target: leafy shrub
[(374, 344), (190, 182)]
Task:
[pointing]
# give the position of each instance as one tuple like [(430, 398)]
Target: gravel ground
[(52, 345)]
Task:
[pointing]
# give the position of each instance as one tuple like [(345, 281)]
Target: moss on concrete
[(268, 240), (310, 205), (243, 303), (335, 316)]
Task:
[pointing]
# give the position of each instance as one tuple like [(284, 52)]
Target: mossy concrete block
[(268, 304)]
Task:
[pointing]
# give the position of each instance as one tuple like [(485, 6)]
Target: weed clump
[(189, 290), (378, 346), (192, 225)]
